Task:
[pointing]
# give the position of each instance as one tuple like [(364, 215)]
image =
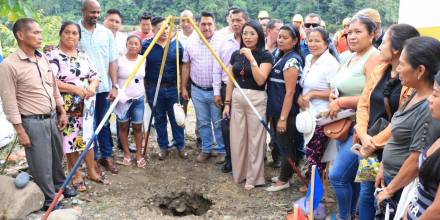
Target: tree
[(15, 9)]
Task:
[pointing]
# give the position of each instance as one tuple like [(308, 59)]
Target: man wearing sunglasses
[(312, 20)]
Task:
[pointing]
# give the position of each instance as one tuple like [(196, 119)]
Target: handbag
[(339, 129)]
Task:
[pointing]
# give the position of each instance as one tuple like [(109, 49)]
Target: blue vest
[(276, 89)]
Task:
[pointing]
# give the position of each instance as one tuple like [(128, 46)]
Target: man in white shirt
[(187, 30), (228, 29), (113, 21)]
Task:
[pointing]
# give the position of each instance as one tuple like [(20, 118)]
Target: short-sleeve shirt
[(136, 87), (411, 130), (317, 76), (201, 61), (72, 70), (100, 46), (241, 67), (154, 60)]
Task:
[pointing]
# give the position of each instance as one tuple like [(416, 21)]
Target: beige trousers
[(248, 137)]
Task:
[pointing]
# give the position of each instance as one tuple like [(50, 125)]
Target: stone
[(65, 214), (22, 180), (18, 203)]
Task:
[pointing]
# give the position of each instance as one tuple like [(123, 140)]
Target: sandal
[(248, 187), (141, 163), (126, 161), (80, 186), (101, 179)]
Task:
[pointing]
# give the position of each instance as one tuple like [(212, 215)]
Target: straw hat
[(306, 124), (370, 13), (346, 21), (263, 14), (298, 18)]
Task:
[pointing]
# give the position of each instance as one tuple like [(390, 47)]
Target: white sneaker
[(275, 179), (275, 188)]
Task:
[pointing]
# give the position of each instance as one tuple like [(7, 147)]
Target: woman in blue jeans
[(348, 83), (130, 108)]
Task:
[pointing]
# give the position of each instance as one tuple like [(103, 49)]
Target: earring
[(418, 78)]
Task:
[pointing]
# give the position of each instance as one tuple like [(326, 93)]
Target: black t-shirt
[(385, 87), (241, 68)]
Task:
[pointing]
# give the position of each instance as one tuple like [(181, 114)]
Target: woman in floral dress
[(77, 81)]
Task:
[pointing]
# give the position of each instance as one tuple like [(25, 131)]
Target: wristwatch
[(282, 118), (254, 63), (116, 86)]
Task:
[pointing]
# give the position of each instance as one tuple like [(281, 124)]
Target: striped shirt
[(201, 61), (422, 199)]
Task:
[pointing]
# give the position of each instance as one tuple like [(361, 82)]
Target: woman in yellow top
[(349, 82), (380, 98)]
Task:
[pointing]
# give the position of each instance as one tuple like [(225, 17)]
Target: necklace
[(243, 65)]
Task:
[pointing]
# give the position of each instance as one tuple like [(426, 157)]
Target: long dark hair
[(294, 33), (424, 51), (326, 38), (67, 23), (260, 33)]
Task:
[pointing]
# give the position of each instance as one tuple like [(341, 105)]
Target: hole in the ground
[(183, 204)]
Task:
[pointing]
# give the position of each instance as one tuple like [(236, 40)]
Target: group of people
[(274, 69)]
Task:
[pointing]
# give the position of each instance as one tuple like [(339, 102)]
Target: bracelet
[(227, 101)]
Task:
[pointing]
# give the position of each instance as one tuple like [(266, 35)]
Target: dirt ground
[(137, 193)]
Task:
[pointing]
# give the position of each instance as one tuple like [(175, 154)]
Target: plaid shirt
[(201, 61)]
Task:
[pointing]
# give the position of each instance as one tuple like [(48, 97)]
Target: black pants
[(225, 126), (288, 144), (274, 151)]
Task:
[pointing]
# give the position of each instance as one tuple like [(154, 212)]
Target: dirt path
[(137, 193)]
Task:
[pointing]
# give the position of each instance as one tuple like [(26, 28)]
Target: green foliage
[(8, 41), (15, 9), (332, 11)]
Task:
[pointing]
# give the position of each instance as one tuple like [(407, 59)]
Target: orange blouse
[(363, 107)]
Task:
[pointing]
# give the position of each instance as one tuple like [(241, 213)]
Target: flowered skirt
[(315, 149)]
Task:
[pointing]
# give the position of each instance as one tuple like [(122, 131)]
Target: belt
[(202, 88), (162, 84), (40, 116)]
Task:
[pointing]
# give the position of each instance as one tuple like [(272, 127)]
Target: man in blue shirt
[(168, 89), (312, 20), (99, 44)]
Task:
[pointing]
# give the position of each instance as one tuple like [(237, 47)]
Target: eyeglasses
[(308, 25)]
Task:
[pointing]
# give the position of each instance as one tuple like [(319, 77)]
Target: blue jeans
[(342, 175), (105, 143), (207, 112), (164, 107), (135, 113), (367, 207)]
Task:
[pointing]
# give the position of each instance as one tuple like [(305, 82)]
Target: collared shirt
[(27, 87), (224, 31), (201, 61), (143, 36), (121, 42), (317, 76), (154, 60), (224, 51), (183, 39), (100, 46)]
